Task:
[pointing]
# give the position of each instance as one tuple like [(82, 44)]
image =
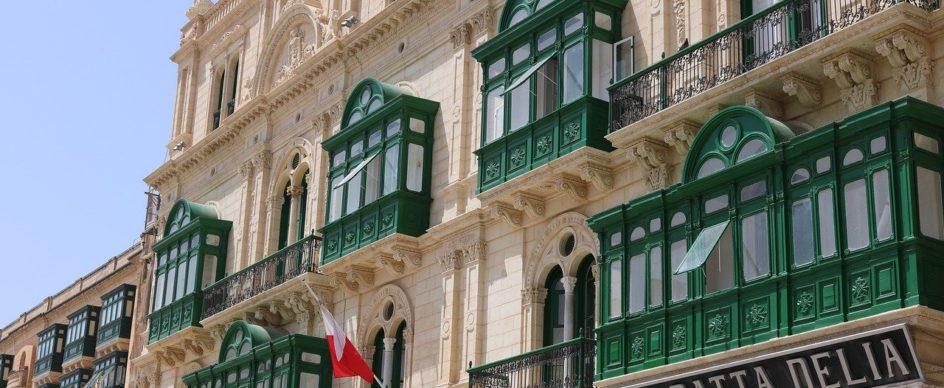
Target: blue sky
[(86, 103)]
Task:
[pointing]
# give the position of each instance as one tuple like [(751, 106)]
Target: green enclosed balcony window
[(190, 257), (257, 356), (80, 337), (78, 378), (49, 351), (117, 310), (110, 371), (546, 74), (380, 168)]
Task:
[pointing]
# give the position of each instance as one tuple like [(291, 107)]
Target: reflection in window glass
[(336, 199), (753, 190), (802, 231), (546, 39), (655, 276), (495, 117), (679, 282), (823, 164), (719, 268), (637, 283), (414, 172), (827, 225), (755, 246), (930, 202), (496, 68), (573, 72), (391, 169), (857, 215), (883, 210), (546, 89), (573, 24), (926, 143), (616, 288), (852, 157), (354, 193), (709, 166), (602, 70), (519, 105), (752, 148)]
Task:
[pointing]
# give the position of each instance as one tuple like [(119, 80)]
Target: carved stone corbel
[(575, 188), (354, 276), (853, 74), (506, 213), (388, 261), (172, 356), (406, 254), (199, 344), (680, 135), (806, 90), (600, 176), (530, 204), (263, 314), (907, 52), (764, 103), (650, 155)]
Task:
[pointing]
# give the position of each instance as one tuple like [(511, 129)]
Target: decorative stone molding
[(530, 204), (806, 90), (478, 24), (407, 254), (199, 8), (570, 284), (680, 135), (388, 261), (764, 103), (650, 155), (533, 295), (262, 160), (458, 252), (575, 188), (506, 213), (171, 356), (298, 52), (246, 169), (600, 176), (199, 344), (678, 6), (907, 52), (853, 74), (354, 276)]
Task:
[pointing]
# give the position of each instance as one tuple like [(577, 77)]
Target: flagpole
[(321, 303)]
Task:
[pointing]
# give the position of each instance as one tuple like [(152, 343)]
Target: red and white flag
[(345, 358)]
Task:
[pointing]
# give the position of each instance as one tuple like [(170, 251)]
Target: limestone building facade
[(562, 192)]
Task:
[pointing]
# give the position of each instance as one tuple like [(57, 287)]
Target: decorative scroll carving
[(852, 73), (476, 25), (262, 160), (506, 213), (574, 188), (679, 7), (407, 254), (530, 204), (533, 295), (763, 103), (199, 344), (680, 135), (460, 251), (600, 176), (172, 356), (354, 276), (650, 155), (907, 52), (388, 261), (806, 90)]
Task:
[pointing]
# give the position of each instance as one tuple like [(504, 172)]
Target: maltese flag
[(347, 362)]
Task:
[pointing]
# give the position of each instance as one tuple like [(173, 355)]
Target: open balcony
[(569, 364)]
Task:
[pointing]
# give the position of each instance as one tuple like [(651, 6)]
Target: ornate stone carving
[(679, 7), (533, 295), (478, 24), (199, 344), (806, 90), (199, 8), (388, 261), (294, 191), (530, 204), (852, 73), (907, 52), (680, 135), (245, 169), (574, 188), (600, 176), (467, 249), (298, 51), (763, 103), (262, 160), (172, 356), (407, 254), (506, 213), (650, 155), (353, 277)]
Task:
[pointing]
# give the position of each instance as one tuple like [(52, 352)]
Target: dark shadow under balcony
[(286, 264), (568, 364)]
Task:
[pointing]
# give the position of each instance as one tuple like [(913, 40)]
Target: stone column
[(295, 192), (388, 361), (570, 283)]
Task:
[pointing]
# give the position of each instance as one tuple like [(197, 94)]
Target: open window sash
[(351, 174), (527, 75), (97, 377), (702, 247)]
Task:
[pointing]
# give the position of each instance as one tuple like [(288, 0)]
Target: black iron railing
[(565, 365), (751, 42), (272, 271)]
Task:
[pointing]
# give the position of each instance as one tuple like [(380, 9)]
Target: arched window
[(380, 168), (554, 308), (390, 354)]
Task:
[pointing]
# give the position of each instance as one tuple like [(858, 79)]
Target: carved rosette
[(650, 156), (806, 90), (907, 52), (853, 74)]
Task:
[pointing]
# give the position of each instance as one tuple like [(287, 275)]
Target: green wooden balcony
[(176, 316)]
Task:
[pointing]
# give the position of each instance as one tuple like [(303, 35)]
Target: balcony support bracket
[(650, 156), (806, 90), (907, 52)]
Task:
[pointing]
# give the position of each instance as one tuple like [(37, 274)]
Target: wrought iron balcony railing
[(272, 271), (752, 42), (565, 365)]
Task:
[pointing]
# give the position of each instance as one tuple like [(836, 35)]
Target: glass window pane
[(655, 225), (655, 276), (391, 169), (573, 72), (339, 158), (930, 201), (520, 54), (496, 68), (602, 69), (374, 138), (414, 172), (717, 203), (753, 190), (823, 164), (728, 136), (372, 190), (883, 210), (517, 17), (182, 279), (169, 290), (637, 283), (877, 145), (417, 125), (709, 166), (393, 128), (337, 199), (852, 156), (616, 239), (192, 278), (927, 143), (616, 288), (802, 230), (159, 292), (209, 270), (752, 148), (546, 89), (354, 194), (678, 219), (357, 148), (637, 233), (603, 21), (799, 176), (857, 215), (827, 225), (623, 63), (702, 247), (755, 246), (519, 102), (719, 267), (573, 24), (547, 38), (495, 115)]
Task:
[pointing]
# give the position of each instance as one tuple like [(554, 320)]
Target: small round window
[(728, 136), (388, 311), (567, 245)]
